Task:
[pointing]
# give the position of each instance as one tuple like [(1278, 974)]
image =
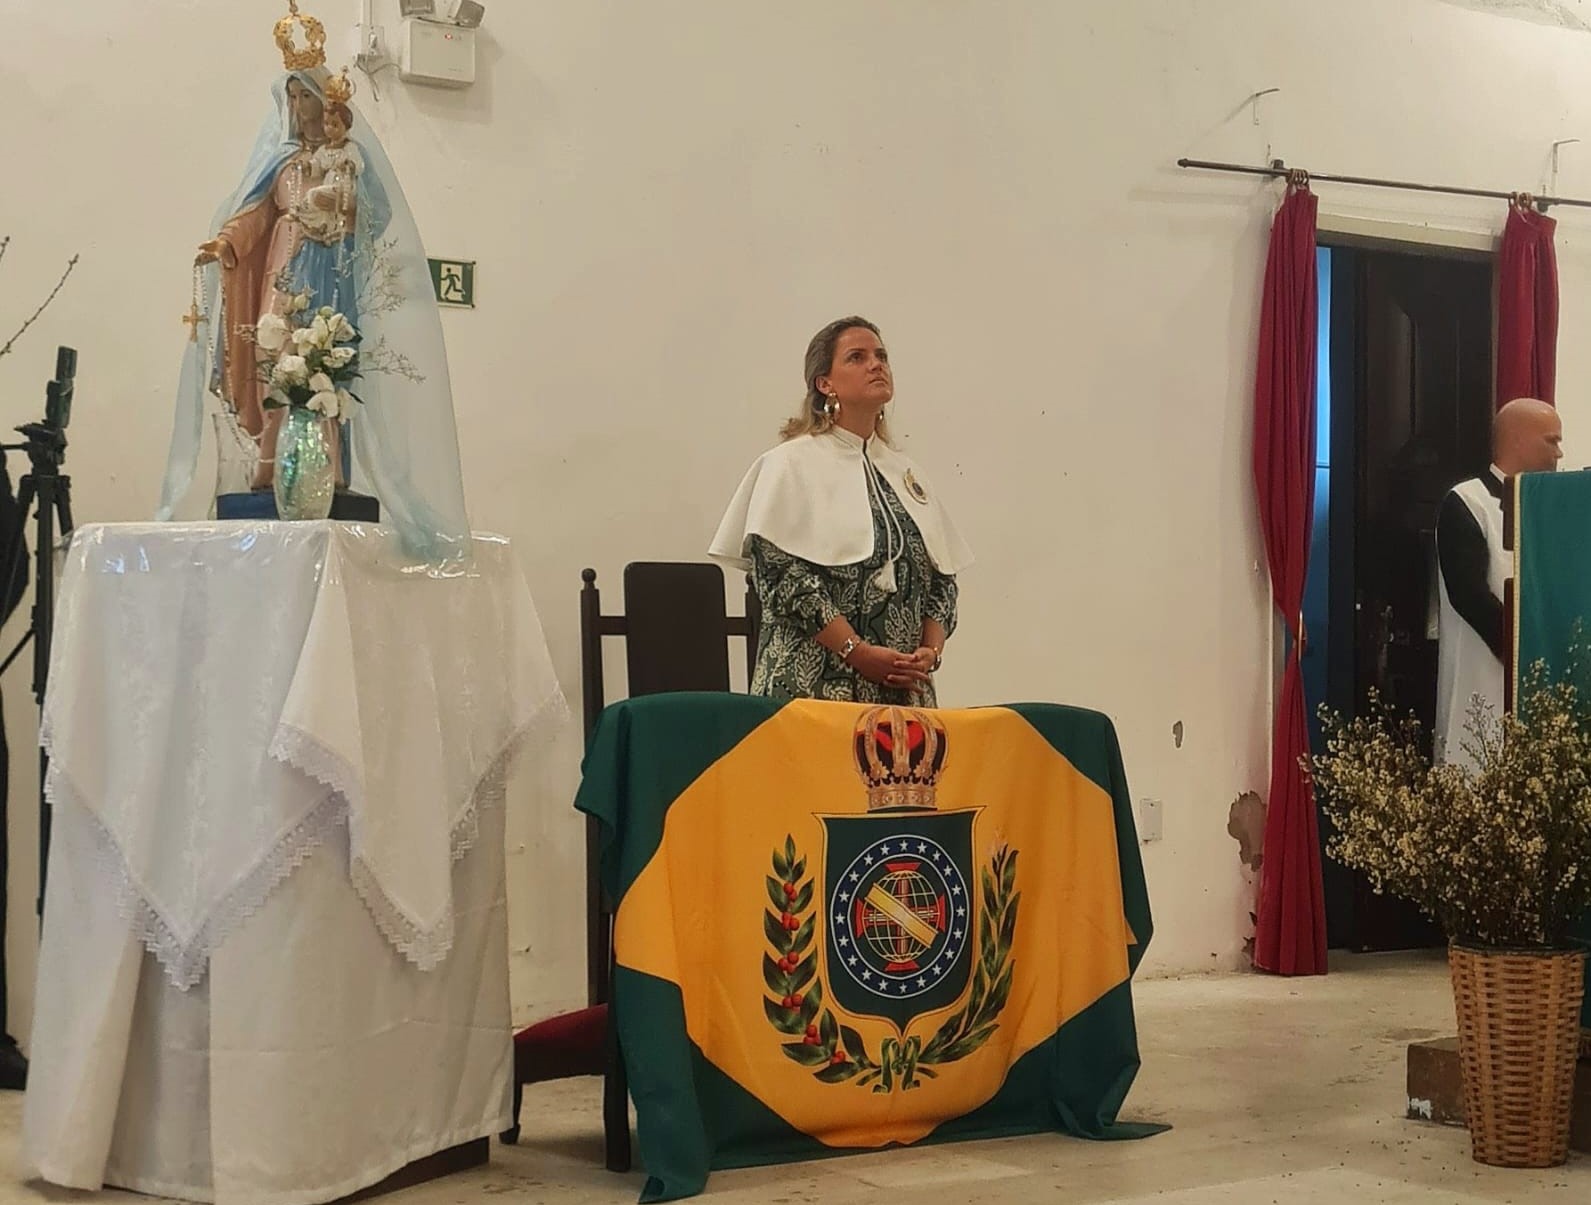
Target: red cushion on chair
[(562, 1046)]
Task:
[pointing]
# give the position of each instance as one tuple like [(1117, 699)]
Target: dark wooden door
[(1411, 416)]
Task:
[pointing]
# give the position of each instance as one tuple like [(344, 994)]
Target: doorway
[(1404, 406)]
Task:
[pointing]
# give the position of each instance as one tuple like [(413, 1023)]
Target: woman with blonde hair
[(848, 546)]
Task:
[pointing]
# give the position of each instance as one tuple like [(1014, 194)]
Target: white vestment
[(1466, 665)]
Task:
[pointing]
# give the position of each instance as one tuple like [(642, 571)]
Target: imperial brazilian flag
[(842, 928), (1552, 595)]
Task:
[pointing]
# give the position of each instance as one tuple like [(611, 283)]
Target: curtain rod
[(1280, 170)]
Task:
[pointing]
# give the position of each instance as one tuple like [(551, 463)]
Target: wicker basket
[(1518, 1040)]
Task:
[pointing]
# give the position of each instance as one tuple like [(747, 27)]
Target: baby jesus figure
[(330, 207)]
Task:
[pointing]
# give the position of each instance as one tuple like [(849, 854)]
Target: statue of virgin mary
[(284, 232)]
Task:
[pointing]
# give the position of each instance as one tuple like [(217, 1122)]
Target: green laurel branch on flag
[(977, 1020), (837, 1053)]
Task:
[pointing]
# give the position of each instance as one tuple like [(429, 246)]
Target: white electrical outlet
[(1149, 820)]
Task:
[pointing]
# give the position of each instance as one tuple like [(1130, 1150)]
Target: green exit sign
[(454, 282)]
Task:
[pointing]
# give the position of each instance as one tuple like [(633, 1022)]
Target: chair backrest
[(677, 636), (676, 631)]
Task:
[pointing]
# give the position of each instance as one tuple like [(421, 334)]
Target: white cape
[(808, 497)]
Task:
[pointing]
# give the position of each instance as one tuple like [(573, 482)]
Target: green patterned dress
[(799, 599)]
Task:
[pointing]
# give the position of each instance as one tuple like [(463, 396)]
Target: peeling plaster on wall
[(1566, 14), (1246, 822)]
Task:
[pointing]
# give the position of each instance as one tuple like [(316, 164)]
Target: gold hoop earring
[(831, 408)]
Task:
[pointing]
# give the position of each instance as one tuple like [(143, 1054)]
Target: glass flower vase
[(306, 473)]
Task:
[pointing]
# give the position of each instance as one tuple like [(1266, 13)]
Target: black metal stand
[(51, 490), (13, 1067)]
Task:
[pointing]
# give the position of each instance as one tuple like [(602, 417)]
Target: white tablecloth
[(274, 962)]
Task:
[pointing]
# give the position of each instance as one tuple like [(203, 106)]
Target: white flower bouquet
[(1499, 856), (309, 359)]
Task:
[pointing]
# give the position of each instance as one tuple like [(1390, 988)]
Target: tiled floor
[(1279, 1091)]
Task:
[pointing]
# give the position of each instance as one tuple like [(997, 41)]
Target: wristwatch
[(850, 646)]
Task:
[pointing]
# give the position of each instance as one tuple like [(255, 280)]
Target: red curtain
[(1527, 307), (1290, 936)]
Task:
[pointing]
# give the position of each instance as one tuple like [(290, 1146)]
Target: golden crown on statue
[(313, 52), (340, 89), (900, 753)]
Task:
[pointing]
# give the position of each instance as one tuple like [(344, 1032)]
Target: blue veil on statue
[(404, 439)]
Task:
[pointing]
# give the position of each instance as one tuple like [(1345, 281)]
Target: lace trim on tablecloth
[(185, 961), (426, 948)]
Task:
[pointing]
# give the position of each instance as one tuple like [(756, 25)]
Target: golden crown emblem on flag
[(900, 754)]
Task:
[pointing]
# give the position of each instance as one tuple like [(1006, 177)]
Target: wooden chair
[(677, 633)]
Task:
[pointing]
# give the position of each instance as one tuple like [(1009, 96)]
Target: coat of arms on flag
[(891, 932)]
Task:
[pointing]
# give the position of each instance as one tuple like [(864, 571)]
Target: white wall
[(666, 200)]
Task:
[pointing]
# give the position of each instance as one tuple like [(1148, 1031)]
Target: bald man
[(1527, 437)]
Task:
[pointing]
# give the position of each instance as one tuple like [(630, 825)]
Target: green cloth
[(693, 794), (1552, 592)]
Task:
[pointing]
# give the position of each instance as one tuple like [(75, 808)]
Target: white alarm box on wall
[(434, 53)]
